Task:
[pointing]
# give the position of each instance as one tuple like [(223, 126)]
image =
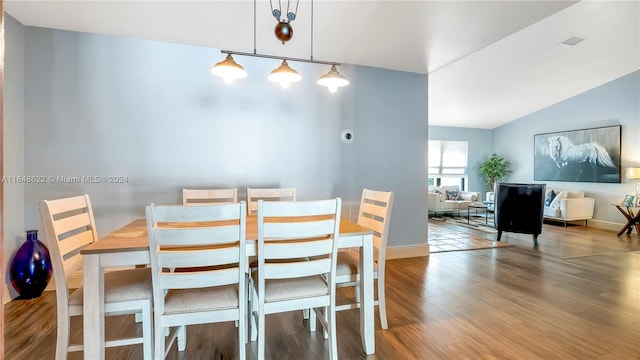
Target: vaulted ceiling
[(489, 62)]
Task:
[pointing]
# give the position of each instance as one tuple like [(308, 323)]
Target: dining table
[(129, 246)]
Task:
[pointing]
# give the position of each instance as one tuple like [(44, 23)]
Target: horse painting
[(564, 152), (586, 155)]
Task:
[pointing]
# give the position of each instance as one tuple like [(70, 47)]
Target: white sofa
[(568, 206), (437, 200)]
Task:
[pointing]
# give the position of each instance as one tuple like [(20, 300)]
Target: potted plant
[(493, 169)]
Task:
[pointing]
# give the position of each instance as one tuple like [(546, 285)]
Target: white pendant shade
[(228, 70), (333, 80), (284, 75)]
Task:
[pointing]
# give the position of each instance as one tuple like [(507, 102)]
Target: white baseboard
[(606, 225), (6, 295), (400, 252), (594, 223)]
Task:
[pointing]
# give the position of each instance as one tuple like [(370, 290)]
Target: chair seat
[(201, 299), (347, 264), (292, 288), (120, 286)]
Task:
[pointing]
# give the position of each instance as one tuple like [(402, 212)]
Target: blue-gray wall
[(97, 105), (614, 103), (387, 113), (479, 142)]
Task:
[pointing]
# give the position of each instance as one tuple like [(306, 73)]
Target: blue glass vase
[(31, 267)]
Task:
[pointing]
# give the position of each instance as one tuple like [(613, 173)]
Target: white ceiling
[(489, 62)]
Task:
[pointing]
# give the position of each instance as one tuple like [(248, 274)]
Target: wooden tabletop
[(133, 236)]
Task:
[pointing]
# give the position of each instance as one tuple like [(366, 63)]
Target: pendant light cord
[(288, 2), (255, 53), (292, 16)]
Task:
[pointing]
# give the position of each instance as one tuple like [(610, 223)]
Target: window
[(447, 163)]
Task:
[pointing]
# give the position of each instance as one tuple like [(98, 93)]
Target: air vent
[(574, 40)]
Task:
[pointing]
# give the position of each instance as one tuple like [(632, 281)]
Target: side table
[(633, 220), (476, 206)]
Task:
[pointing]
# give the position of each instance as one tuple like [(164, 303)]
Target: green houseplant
[(494, 168)]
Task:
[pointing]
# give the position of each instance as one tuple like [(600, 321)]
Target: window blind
[(447, 158)]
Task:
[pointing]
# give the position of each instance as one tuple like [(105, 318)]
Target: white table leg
[(93, 312), (367, 321)]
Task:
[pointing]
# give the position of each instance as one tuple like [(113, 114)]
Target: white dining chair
[(69, 225), (209, 196), (268, 194), (375, 214), (297, 247), (206, 245)]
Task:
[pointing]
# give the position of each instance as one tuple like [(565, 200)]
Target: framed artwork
[(628, 201), (588, 155)]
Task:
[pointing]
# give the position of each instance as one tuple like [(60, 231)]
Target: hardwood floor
[(577, 296), (445, 235)]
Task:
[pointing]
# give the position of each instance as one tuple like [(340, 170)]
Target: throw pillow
[(549, 197), (453, 195), (437, 191), (556, 200)]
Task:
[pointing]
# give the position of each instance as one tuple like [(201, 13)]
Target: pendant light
[(333, 80), (284, 75), (229, 70)]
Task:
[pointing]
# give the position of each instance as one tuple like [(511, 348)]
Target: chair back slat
[(75, 242), (196, 258), (292, 248), (297, 268), (209, 235), (176, 214), (199, 279), (209, 196), (71, 223), (375, 209), (372, 224), (302, 229), (268, 194), (59, 206)]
